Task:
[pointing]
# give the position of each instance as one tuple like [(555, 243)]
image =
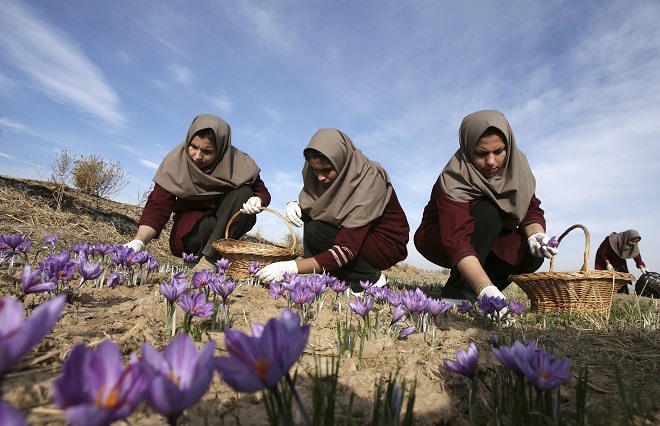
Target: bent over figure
[(204, 181), (483, 220), (354, 226)]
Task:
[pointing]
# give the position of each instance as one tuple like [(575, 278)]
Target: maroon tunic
[(445, 233), (606, 252), (382, 243), (187, 213)]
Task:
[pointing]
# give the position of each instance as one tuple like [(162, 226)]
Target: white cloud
[(7, 156), (182, 74), (58, 66), (148, 164), (221, 102)]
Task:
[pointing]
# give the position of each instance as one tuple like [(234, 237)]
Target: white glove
[(275, 271), (644, 269), (492, 291), (538, 245), (136, 245), (610, 267), (294, 214), (252, 206)]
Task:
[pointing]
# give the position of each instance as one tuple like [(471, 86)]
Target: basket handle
[(587, 244), (293, 234)]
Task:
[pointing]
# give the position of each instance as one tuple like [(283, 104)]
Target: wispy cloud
[(148, 164), (7, 156), (58, 66), (267, 23), (182, 74), (221, 102)]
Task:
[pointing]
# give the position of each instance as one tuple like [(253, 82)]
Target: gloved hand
[(644, 269), (136, 245), (294, 214), (610, 267), (252, 206), (275, 271), (538, 245), (492, 291)]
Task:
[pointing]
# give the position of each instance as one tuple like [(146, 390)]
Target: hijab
[(231, 168), (619, 240), (511, 189), (357, 196)]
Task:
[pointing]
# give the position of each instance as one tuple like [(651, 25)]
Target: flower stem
[(296, 395)]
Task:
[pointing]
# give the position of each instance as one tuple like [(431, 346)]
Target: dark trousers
[(487, 227), (319, 237), (199, 241)]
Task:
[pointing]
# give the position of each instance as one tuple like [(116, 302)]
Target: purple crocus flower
[(398, 315), (58, 266), (513, 357), (466, 362), (196, 305), (179, 377), (516, 308), (202, 279), (253, 268), (24, 247), (51, 239), (380, 293), (395, 298), (12, 241), (174, 289), (276, 290), (189, 257), (338, 286), (102, 249), (301, 294), (222, 265), (152, 263), (407, 332), (223, 288), (366, 285), (362, 308), (415, 301), (553, 242), (95, 387), (492, 305), (33, 281), (10, 416), (544, 371), (115, 279), (89, 271), (263, 359), (318, 284), (464, 307), (436, 307), (17, 334)]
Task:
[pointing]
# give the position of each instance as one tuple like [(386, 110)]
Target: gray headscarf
[(231, 168), (511, 189), (360, 192), (619, 240)]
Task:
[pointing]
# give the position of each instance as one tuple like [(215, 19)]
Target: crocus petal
[(9, 416), (19, 336)]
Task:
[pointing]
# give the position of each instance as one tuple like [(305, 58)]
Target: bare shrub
[(95, 176), (60, 175), (144, 196)]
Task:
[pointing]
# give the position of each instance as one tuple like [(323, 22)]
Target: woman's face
[(324, 171), (632, 242), (489, 155), (202, 152)]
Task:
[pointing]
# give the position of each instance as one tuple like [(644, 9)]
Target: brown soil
[(133, 315)]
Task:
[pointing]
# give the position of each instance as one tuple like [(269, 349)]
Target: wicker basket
[(243, 253), (582, 292)]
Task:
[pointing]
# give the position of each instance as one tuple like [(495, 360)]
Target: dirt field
[(133, 315)]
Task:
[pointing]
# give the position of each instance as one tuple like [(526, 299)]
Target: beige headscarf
[(511, 188), (359, 194), (231, 169), (618, 242)]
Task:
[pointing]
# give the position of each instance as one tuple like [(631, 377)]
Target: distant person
[(616, 248), (483, 220), (354, 225), (204, 181)]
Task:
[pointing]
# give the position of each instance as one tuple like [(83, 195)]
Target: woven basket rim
[(229, 246)]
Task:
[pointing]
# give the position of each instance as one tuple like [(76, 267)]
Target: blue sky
[(578, 81)]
